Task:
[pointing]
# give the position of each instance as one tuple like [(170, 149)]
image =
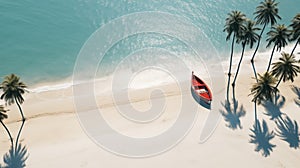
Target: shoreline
[(49, 92), (62, 90), (262, 57), (53, 130)]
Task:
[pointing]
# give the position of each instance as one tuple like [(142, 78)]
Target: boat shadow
[(199, 100)]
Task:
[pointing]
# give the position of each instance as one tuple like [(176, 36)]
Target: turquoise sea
[(40, 40)]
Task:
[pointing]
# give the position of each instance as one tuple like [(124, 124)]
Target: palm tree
[(248, 36), (234, 25), (285, 69), (264, 90), (266, 13), (277, 35), (2, 117), (13, 89), (296, 31)]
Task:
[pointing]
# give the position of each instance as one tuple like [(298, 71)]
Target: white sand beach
[(54, 136)]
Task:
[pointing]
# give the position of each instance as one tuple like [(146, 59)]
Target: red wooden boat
[(201, 89)]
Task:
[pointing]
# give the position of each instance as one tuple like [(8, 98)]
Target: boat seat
[(199, 85), (201, 91)]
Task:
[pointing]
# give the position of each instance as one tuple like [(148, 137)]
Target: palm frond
[(3, 114), (267, 12), (13, 89), (234, 23), (278, 35), (264, 89), (286, 67), (248, 35), (295, 33)]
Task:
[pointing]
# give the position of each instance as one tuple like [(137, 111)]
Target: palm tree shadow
[(296, 90), (15, 158), (233, 113), (288, 131), (273, 107), (261, 138)]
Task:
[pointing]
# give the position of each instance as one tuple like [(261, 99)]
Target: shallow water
[(40, 40)]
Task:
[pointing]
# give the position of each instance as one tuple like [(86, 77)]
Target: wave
[(50, 87), (151, 76), (261, 59)]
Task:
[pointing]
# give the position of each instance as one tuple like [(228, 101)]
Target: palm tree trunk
[(23, 121), (20, 109), (258, 42), (279, 81), (238, 68), (295, 46), (230, 64), (270, 61), (7, 130), (254, 71)]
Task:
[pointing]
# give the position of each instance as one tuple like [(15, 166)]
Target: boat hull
[(200, 89)]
